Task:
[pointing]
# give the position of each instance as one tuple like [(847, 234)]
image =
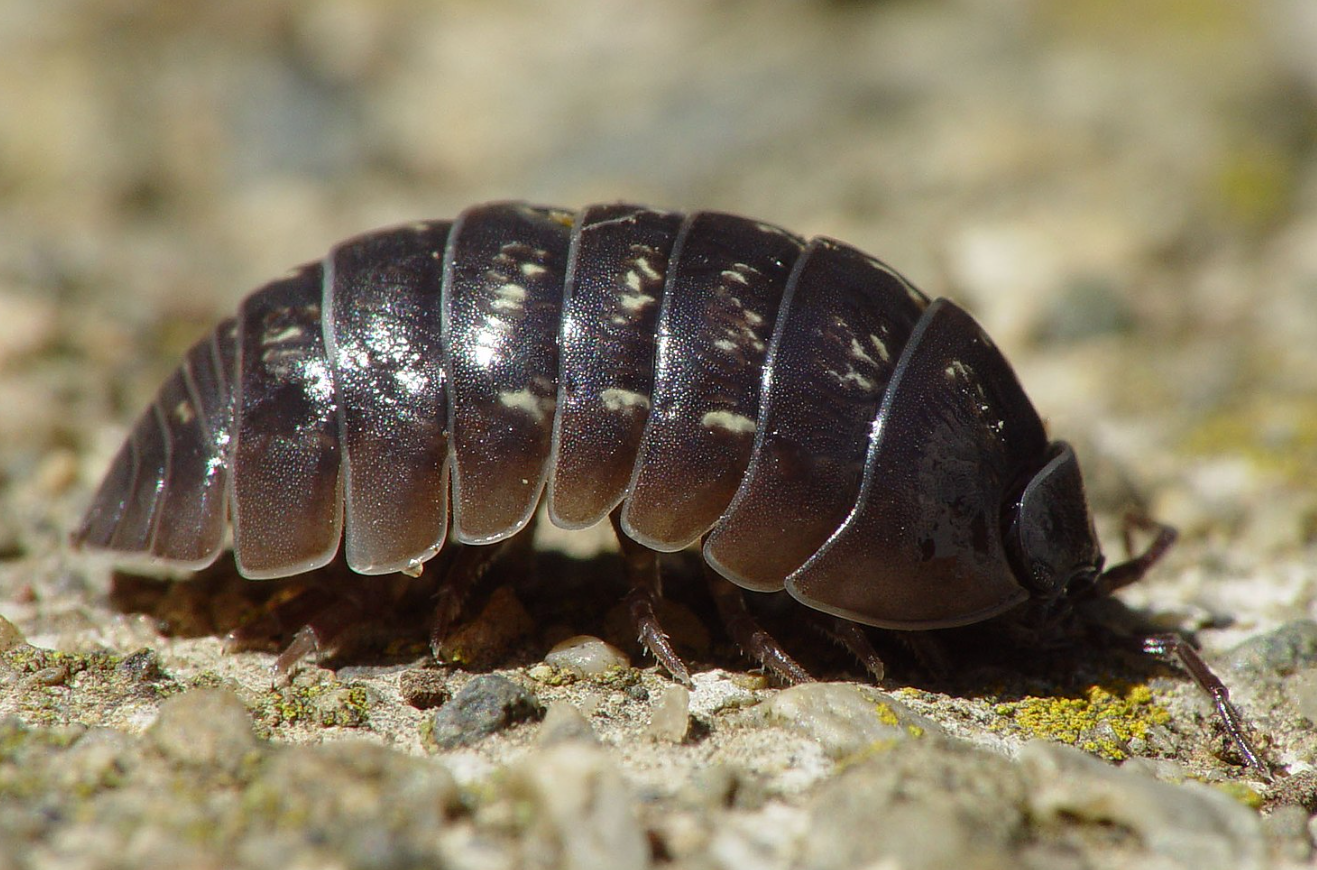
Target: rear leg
[(324, 614), (851, 637), (753, 640), (1175, 647), (469, 565), (642, 568)]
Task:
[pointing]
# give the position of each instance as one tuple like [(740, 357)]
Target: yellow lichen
[(1243, 793), (886, 715), (1101, 720)]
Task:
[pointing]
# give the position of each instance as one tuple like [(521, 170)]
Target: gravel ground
[(1124, 193)]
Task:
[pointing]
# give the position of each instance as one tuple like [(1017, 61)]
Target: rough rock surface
[(1124, 193)]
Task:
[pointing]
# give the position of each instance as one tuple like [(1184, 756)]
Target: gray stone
[(1284, 650), (921, 804), (485, 705), (204, 728), (1193, 824), (563, 723), (845, 718), (580, 814)]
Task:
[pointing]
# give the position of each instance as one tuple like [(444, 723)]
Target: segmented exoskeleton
[(798, 407)]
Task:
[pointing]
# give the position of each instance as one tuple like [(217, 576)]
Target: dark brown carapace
[(798, 408)]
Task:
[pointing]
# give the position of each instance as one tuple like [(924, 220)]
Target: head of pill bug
[(1049, 536)]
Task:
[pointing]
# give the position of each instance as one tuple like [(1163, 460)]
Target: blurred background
[(1125, 194)]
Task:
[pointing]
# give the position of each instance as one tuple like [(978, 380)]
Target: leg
[(320, 630), (749, 636), (468, 566), (1173, 645), (1122, 574), (324, 612), (642, 570), (851, 636)]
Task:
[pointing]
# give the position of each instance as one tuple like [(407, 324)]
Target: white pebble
[(586, 656), (671, 717)]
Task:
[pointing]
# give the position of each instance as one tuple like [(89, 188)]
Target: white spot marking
[(956, 369), (508, 297), (634, 303), (525, 400), (880, 346), (857, 352), (642, 264), (852, 376), (489, 342), (412, 381), (615, 399), (288, 333), (532, 270), (729, 420)]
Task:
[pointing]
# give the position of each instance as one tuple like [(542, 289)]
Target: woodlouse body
[(800, 407)]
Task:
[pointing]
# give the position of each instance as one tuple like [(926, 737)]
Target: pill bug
[(798, 408)]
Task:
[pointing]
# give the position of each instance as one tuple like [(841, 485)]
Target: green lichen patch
[(329, 704), (1102, 720), (54, 688)]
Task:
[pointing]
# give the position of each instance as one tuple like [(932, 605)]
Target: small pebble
[(142, 666), (670, 719), (10, 636), (563, 723), (423, 688), (204, 728), (56, 675), (485, 705), (580, 813), (586, 656), (845, 719)]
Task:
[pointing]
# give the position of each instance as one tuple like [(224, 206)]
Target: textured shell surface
[(797, 406)]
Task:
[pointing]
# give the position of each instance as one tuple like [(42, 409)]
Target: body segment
[(799, 407)]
